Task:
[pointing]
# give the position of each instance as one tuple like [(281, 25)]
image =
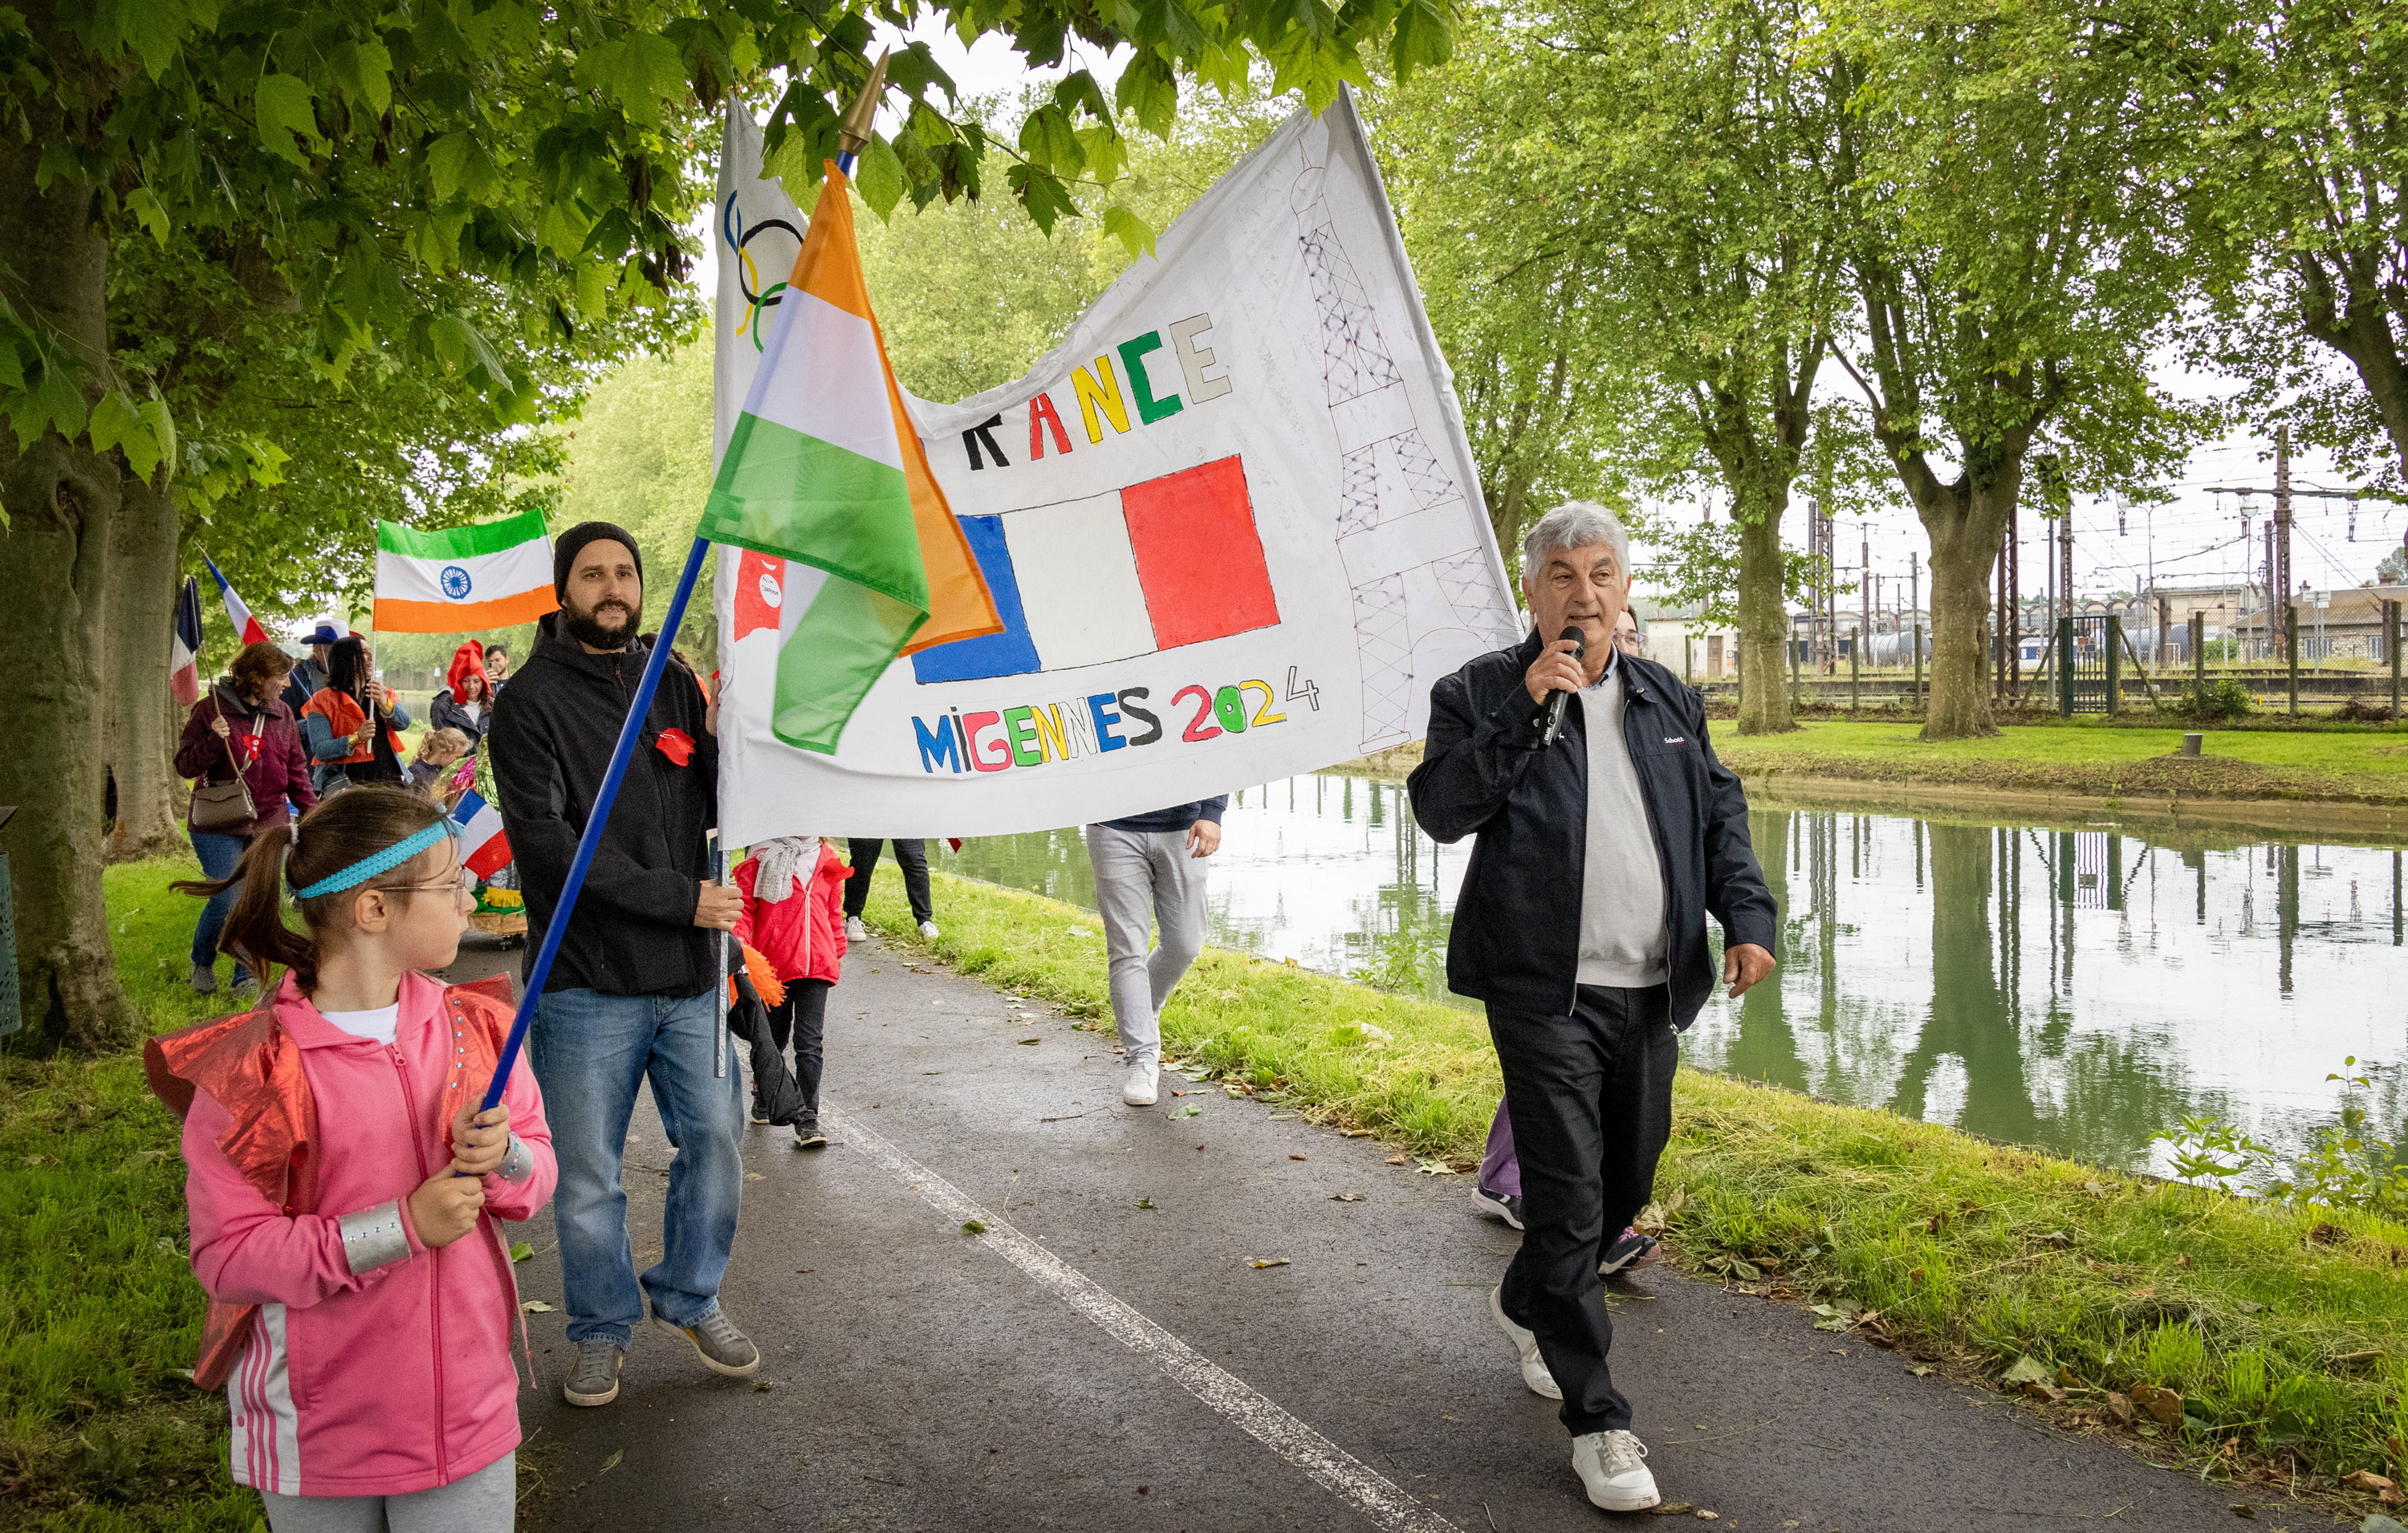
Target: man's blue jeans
[(590, 1053), (219, 856)]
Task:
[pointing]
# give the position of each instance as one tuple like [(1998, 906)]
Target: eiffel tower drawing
[(1414, 567)]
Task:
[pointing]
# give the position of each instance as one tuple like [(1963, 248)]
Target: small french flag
[(484, 850), (245, 626), (183, 653)]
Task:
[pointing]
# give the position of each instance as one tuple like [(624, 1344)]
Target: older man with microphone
[(1607, 833)]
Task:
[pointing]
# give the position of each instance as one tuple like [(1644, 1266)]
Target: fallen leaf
[(972, 1227), (1353, 1133), (2119, 1406), (2248, 1306), (753, 1176), (1923, 1370), (1437, 1167), (1259, 1263), (2244, 1511), (1146, 1202), (534, 1305), (1186, 1110), (762, 1386), (1705, 1516), (1399, 1160), (1295, 1156), (612, 1462), (2165, 1405), (2368, 1479), (1028, 1041), (1832, 1319), (1671, 1509), (1346, 1197), (2027, 1370)]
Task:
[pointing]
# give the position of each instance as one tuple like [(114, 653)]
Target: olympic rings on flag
[(748, 277)]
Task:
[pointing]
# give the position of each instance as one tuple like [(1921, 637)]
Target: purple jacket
[(265, 739)]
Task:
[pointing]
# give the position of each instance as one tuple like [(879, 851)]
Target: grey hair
[(1574, 524)]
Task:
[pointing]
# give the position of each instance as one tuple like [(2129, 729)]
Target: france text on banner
[(490, 575), (1232, 529), (823, 469)]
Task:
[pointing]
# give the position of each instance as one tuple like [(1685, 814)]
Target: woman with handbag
[(244, 749)]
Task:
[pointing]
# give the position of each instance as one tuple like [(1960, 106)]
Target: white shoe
[(1613, 1467), (1139, 1088), (854, 930), (1525, 1342), (929, 930)]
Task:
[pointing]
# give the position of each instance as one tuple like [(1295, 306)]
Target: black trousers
[(801, 1016), (912, 856), (1591, 1099)]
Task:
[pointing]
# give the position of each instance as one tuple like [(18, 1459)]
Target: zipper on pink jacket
[(433, 1271)]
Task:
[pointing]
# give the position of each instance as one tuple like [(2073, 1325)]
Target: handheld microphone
[(1555, 704)]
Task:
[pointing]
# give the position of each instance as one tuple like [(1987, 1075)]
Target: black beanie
[(566, 548)]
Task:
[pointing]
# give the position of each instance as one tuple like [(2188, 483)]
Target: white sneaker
[(854, 930), (1612, 1464), (929, 930), (1525, 1343), (1139, 1088)]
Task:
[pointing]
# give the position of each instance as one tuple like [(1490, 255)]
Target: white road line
[(1329, 1465)]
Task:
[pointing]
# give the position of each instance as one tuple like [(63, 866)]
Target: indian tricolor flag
[(824, 469), (488, 576)]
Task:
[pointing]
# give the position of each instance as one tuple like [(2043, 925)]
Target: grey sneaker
[(595, 1378), (722, 1347), (246, 990), (205, 980)]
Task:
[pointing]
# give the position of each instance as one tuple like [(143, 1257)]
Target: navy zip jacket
[(1515, 942), (633, 931)]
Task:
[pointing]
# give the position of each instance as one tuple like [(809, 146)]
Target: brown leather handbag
[(224, 808)]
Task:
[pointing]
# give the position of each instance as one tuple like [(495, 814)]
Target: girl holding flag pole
[(345, 1186)]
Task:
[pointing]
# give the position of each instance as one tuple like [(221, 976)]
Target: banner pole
[(629, 732)]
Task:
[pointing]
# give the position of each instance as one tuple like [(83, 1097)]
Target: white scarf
[(774, 878)]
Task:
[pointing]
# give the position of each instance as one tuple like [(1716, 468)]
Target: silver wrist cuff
[(519, 1164), (374, 1238)]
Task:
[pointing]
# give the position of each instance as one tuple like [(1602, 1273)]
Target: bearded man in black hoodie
[(629, 996)]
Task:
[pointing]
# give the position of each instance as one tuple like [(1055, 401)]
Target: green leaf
[(878, 174), (145, 206), (1135, 235), (1047, 139), (1422, 38), (288, 120), (1106, 154), (2028, 1371), (162, 423), (365, 69), (460, 165), (1043, 193), (155, 29), (117, 422), (1150, 90), (53, 402), (637, 71)]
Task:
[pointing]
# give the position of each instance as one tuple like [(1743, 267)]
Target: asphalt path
[(1107, 1354)]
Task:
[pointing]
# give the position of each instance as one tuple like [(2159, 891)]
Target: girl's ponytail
[(338, 832)]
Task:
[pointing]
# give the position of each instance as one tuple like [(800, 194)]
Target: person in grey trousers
[(1149, 871)]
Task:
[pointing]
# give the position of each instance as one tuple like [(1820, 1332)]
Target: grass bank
[(99, 1429), (2278, 1337)]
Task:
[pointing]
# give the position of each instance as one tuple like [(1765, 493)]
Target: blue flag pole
[(620, 753), (850, 137)]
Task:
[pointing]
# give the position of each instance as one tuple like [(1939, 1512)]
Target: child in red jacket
[(794, 917)]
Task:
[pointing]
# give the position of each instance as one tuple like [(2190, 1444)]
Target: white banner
[(1232, 522)]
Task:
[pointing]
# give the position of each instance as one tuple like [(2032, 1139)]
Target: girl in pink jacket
[(344, 1190)]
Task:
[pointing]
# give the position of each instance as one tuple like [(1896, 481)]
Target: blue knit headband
[(369, 867)]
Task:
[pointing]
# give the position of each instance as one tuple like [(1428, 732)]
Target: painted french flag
[(1169, 562), (484, 850), (184, 651), (237, 614)]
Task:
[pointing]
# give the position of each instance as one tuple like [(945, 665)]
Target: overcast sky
[(2191, 540)]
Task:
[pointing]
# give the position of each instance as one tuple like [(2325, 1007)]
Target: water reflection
[(2076, 989)]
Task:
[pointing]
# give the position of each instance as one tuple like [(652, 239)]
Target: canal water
[(2078, 988)]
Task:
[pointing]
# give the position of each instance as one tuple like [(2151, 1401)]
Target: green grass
[(98, 1309), (2365, 767), (2284, 1334)]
